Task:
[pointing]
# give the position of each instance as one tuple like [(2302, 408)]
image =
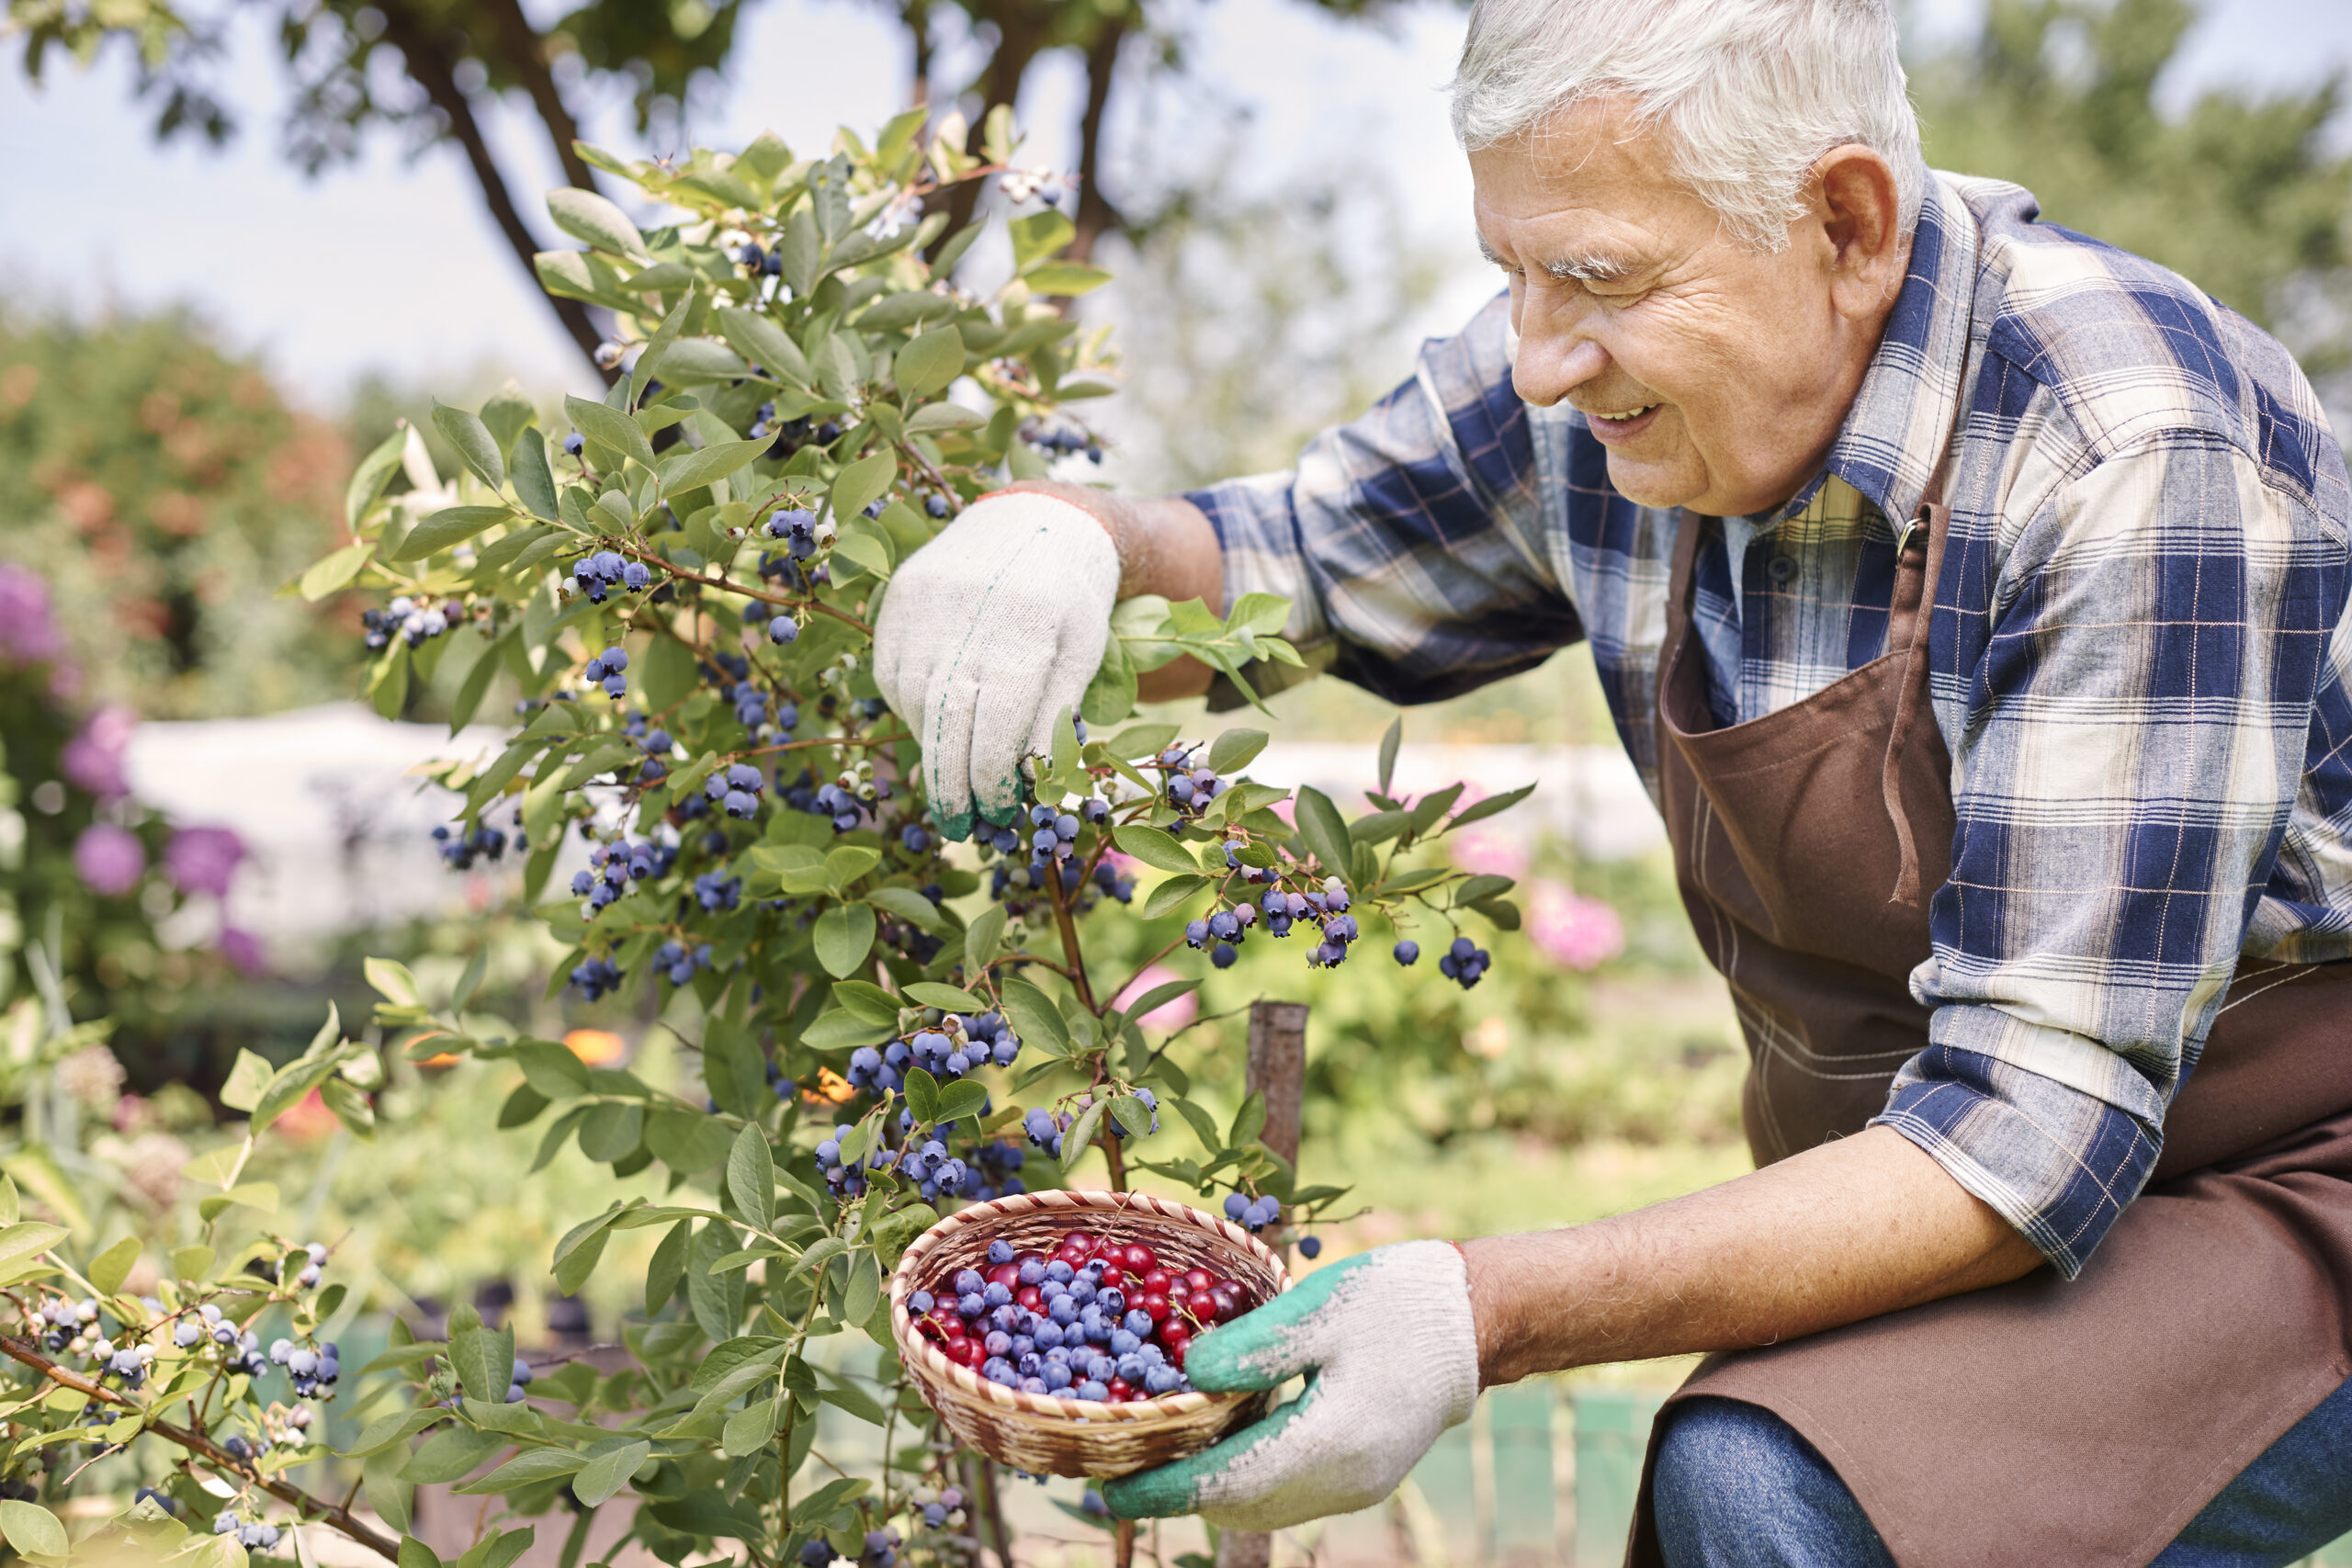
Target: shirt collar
[(1903, 412)]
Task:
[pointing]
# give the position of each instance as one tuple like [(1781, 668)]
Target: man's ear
[(1853, 198)]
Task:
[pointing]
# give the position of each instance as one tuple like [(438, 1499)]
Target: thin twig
[(205, 1448)]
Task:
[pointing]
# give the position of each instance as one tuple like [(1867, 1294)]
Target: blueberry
[(1235, 1204), (1310, 1247), (572, 444), (1000, 1251), (782, 630), (1406, 953), (1223, 955)]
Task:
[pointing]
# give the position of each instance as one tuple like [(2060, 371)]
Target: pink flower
[(1166, 1015), (110, 858), (94, 758), (1490, 851), (244, 951), (27, 630), (1581, 933), (203, 860)]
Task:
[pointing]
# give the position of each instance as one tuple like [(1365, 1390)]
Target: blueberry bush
[(675, 586)]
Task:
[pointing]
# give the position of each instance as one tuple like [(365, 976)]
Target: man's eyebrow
[(1583, 266)]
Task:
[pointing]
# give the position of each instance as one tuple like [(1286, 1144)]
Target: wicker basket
[(1041, 1433)]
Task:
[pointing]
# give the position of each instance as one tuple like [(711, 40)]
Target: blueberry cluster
[(716, 892), (796, 527), (69, 1324), (252, 1535), (596, 574), (679, 962), (1096, 1320), (937, 1506), (656, 744), (460, 850), (948, 1049), (932, 1170), (1465, 962), (761, 264), (313, 1371), (753, 708), (314, 1265), (604, 669), (405, 617), (616, 865), (243, 1349), (1064, 441), (1222, 932), (1057, 832), (521, 1377), (1254, 1214), (843, 1180), (881, 1550), (595, 977), (1190, 789), (737, 790)]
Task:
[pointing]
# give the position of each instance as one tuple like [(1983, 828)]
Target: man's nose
[(1553, 361)]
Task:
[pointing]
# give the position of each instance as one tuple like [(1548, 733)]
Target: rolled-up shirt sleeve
[(1410, 541), (2134, 724)]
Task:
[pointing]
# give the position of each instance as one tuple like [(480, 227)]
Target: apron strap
[(1918, 561)]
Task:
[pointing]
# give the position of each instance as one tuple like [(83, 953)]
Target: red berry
[(1224, 1305), (1155, 1306), (1006, 1274), (1198, 1279), (1174, 1344), (1029, 1298), (1112, 1275), (1122, 1390), (950, 1322), (1157, 1281), (1079, 1241), (968, 1352), (1138, 1258)]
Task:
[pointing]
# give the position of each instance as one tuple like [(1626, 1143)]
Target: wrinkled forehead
[(1587, 185)]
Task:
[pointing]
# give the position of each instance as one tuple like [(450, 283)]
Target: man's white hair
[(1748, 93)]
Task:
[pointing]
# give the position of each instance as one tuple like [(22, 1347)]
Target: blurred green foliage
[(165, 491), (2242, 194)]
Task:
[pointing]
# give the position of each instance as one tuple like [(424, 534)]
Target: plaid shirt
[(2140, 655)]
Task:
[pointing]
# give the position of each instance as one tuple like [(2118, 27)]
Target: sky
[(391, 265)]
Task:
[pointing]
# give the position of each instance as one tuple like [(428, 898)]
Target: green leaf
[(606, 1474), (982, 938), (1501, 911), (109, 1268), (25, 1240), (450, 1454), (1431, 807), (483, 1361), (374, 472), (476, 446), (930, 363), (961, 1099), (934, 417), (258, 1195), (247, 1079), (668, 1267), (1159, 996), (762, 342), (869, 549), (1388, 744), (798, 252), (683, 471), (1477, 888), (649, 364), (1066, 279), (1203, 1126), (450, 525), (923, 1094), (1153, 847), (751, 1176), (499, 1550), (1132, 1114), (946, 998), (609, 427), (1081, 1133), (748, 1430), (398, 1427), (1174, 892), (584, 214), (868, 1003), (844, 935), (862, 483), (530, 1466), (534, 480), (1037, 236), (33, 1530), (551, 1068), (1232, 750), (1323, 832), (863, 1292), (1249, 1120), (668, 673), (1034, 1017), (1478, 811), (415, 1554), (326, 575)]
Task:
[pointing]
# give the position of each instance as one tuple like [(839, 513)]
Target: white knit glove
[(1392, 1357), (990, 634)]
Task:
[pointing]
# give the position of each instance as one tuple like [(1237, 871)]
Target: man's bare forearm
[(1852, 1229), (1166, 546)]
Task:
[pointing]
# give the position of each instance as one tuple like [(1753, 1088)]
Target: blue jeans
[(1736, 1487)]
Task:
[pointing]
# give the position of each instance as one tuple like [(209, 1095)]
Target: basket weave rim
[(917, 1351)]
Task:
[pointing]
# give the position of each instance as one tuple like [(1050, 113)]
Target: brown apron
[(2037, 1422)]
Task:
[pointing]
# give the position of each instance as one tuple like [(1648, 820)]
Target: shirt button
[(1782, 568)]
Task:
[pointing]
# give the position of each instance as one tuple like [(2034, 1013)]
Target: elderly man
[(1972, 598)]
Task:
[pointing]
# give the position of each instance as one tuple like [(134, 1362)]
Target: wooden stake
[(1278, 1071)]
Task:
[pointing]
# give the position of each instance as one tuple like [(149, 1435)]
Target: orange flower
[(597, 1047)]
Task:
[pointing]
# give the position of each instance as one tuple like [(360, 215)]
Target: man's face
[(1716, 376)]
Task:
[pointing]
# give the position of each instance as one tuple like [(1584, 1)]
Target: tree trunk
[(1095, 214), (525, 51), (431, 64)]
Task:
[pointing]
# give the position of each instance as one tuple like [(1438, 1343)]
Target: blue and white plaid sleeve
[(2136, 726), (1410, 539)]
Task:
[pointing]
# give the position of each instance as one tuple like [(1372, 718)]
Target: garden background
[(229, 265)]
